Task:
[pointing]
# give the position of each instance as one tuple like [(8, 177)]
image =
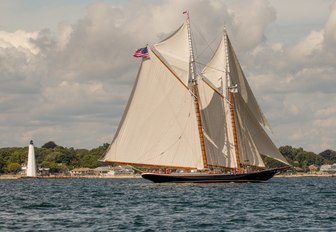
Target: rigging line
[(245, 129), (148, 117), (206, 65), (195, 90), (171, 71), (182, 126), (208, 46), (204, 119), (216, 91), (212, 158)]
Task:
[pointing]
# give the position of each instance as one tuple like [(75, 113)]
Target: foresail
[(175, 50), (159, 126)]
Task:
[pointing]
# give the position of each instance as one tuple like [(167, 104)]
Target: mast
[(193, 81), (231, 89)]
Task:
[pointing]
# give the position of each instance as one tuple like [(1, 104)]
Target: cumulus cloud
[(299, 78), (71, 84)]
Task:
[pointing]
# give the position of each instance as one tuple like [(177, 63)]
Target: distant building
[(44, 171), (328, 168), (121, 171), (313, 168), (103, 171), (82, 172)]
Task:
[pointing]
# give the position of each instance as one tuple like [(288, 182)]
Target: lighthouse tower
[(31, 166)]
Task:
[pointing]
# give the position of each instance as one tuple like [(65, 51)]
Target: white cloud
[(20, 40), (250, 21), (330, 27), (70, 84)]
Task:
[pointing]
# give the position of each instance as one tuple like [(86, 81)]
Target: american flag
[(141, 52)]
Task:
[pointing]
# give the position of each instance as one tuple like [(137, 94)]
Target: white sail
[(238, 78), (215, 111), (215, 70), (248, 151), (159, 127), (216, 127), (175, 50), (253, 140)]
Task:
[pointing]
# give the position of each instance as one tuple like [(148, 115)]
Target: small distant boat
[(179, 119)]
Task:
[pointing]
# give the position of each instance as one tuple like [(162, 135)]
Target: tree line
[(61, 159), (50, 155)]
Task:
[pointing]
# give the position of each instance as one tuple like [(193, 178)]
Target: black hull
[(211, 178)]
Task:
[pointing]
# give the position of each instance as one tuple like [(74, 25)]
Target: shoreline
[(13, 177), (307, 175)]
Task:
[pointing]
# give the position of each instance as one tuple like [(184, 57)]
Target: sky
[(66, 69)]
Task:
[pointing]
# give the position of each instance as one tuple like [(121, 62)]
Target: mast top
[(186, 12)]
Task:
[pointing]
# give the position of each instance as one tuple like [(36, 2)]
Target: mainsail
[(160, 124)]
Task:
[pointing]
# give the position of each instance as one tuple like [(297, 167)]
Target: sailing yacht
[(207, 124)]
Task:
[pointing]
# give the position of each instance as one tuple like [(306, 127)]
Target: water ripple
[(282, 204)]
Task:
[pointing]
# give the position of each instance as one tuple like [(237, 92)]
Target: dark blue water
[(282, 204)]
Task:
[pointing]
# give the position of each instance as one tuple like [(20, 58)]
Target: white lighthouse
[(31, 166)]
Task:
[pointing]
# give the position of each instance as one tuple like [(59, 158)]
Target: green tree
[(329, 156), (2, 164), (50, 145), (54, 167), (13, 168), (288, 152)]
